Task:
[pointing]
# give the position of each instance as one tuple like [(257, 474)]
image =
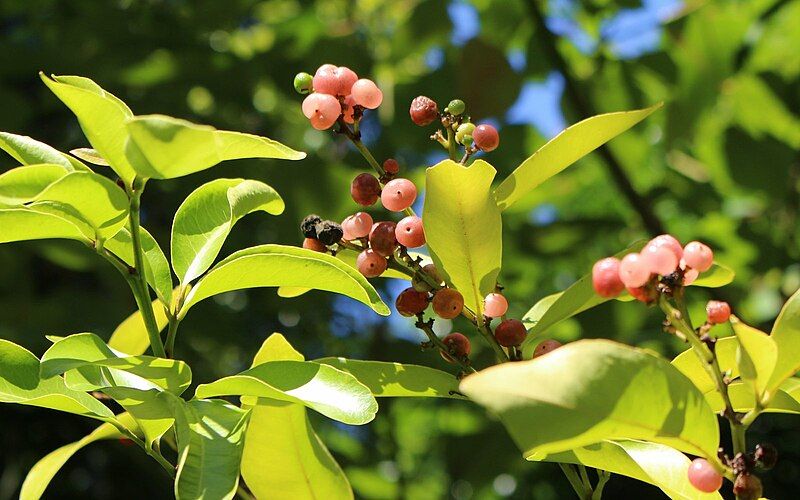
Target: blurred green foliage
[(719, 163)]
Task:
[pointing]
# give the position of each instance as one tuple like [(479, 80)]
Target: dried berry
[(423, 111), (308, 226), (329, 232)]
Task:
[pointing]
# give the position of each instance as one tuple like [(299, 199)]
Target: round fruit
[(367, 94), (704, 476), (325, 80), (486, 137), (747, 487), (458, 345), (314, 244), (433, 272), (409, 232), (370, 264), (465, 129), (398, 194), (365, 189), (329, 232), (698, 256), (303, 83), (659, 259), (456, 107), (670, 242), (718, 312), (382, 238), (358, 225), (606, 277), (391, 166), (546, 346), (448, 303), (322, 110), (641, 294), (495, 305), (410, 302), (423, 110), (345, 79), (510, 332)]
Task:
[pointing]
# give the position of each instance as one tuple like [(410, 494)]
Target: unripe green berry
[(463, 130), (467, 140), (303, 83), (456, 107)]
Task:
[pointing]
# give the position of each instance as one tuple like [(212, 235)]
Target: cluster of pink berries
[(334, 92), (637, 272)]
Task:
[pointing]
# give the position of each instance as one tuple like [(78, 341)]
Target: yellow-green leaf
[(690, 365), (755, 357), (22, 224), (21, 185), (29, 151), (131, 336), (786, 335)]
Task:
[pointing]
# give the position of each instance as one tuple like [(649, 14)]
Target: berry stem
[(451, 141), (575, 481), (155, 454), (427, 327)]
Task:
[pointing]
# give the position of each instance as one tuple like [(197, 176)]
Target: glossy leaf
[(28, 151), (130, 337), (592, 390), (174, 148), (690, 365), (90, 201), (463, 228), (90, 155), (786, 335), (21, 185), (386, 379), (101, 115), (20, 383), (784, 400), (206, 217), (156, 267), (652, 463), (210, 437), (718, 276), (279, 265), (755, 357), (332, 392), (23, 224), (86, 350), (565, 149), (283, 456)]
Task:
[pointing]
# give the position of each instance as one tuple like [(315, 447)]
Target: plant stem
[(365, 152), (587, 485), (435, 340), (451, 143), (172, 332), (165, 464), (575, 481), (140, 290), (602, 478)]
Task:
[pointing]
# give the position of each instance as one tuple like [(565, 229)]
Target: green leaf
[(279, 265), (130, 337), (22, 224), (786, 335), (463, 228), (85, 350), (102, 117), (29, 151), (206, 217), (90, 155), (174, 148), (152, 411), (90, 201), (20, 383), (718, 276), (386, 379), (755, 356), (210, 442), (652, 463), (156, 267), (21, 185), (283, 456), (555, 308), (42, 473), (592, 390), (784, 400), (332, 392), (690, 365), (565, 149)]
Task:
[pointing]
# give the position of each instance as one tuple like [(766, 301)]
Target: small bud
[(303, 83), (456, 107), (465, 129)]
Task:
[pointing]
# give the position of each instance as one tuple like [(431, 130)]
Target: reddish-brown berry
[(411, 302), (642, 294), (423, 111), (747, 487), (486, 137), (448, 303), (510, 332), (546, 346), (382, 238), (391, 166), (365, 189), (370, 264), (316, 245), (457, 345), (718, 312)]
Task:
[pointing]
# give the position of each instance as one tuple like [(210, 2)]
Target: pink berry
[(382, 239), (367, 94), (365, 189), (546, 346), (348, 110), (659, 259), (689, 275), (495, 305), (358, 225), (632, 271), (370, 264), (718, 312), (322, 110), (669, 241), (325, 80), (409, 232), (345, 78), (486, 137), (346, 234), (606, 277), (698, 256), (398, 194), (704, 476)]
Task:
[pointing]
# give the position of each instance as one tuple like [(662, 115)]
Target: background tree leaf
[(206, 217), (130, 337), (463, 228)]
